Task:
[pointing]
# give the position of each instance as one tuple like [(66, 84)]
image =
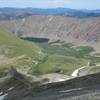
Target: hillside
[(76, 30), (52, 55), (15, 52), (38, 58), (50, 44)]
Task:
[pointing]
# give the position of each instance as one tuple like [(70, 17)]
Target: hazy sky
[(77, 4)]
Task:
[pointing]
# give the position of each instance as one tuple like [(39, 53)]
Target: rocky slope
[(82, 88), (79, 31)]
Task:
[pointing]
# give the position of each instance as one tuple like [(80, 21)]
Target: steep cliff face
[(64, 28)]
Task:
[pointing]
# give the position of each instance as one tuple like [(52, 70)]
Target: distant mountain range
[(16, 13)]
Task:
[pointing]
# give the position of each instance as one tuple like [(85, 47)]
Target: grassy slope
[(13, 47), (18, 46), (52, 58), (61, 64), (63, 58)]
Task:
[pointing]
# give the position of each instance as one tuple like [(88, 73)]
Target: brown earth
[(79, 31)]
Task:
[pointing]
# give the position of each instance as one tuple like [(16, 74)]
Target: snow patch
[(2, 97), (77, 71), (76, 89)]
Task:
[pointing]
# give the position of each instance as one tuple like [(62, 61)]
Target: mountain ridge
[(79, 31), (18, 13)]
